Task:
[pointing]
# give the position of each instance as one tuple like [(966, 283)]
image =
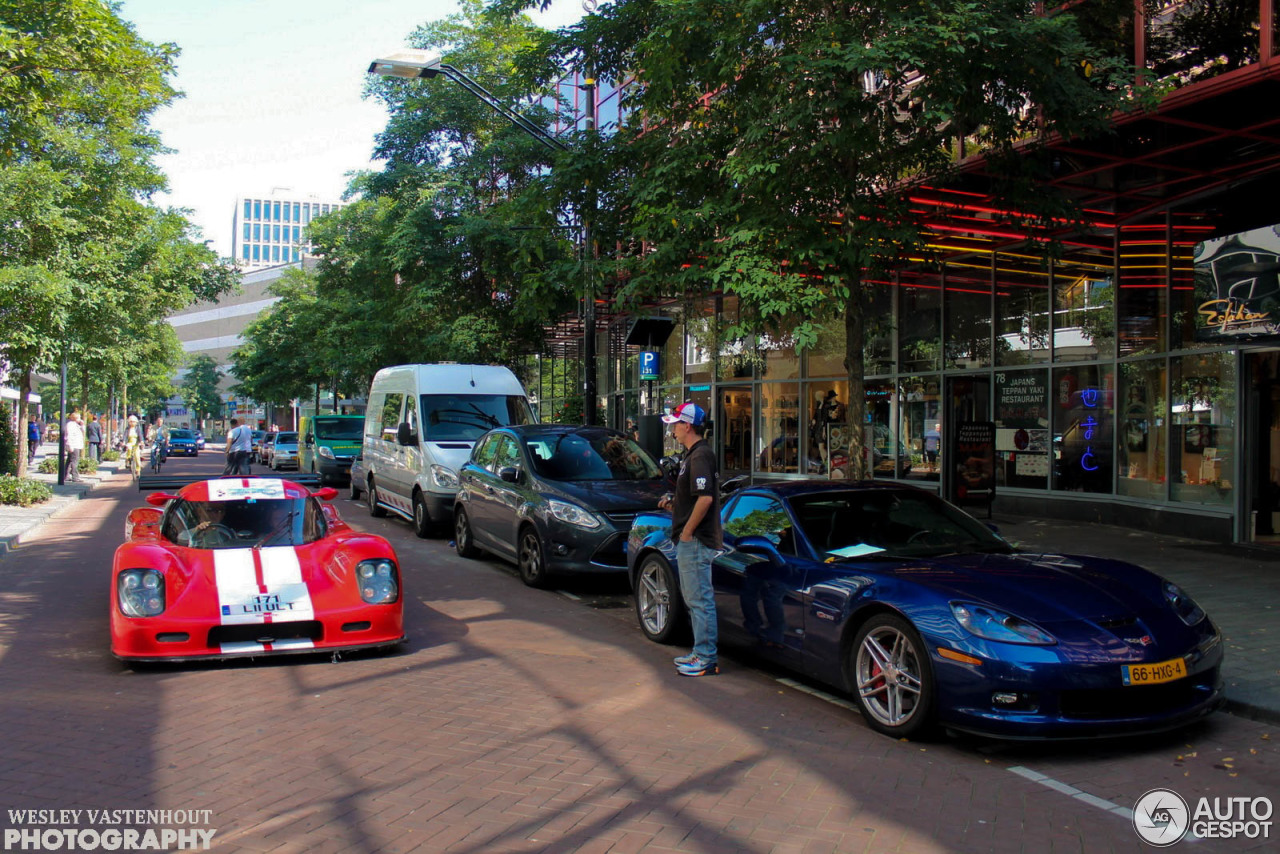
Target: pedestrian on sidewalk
[(695, 526), (93, 435), (33, 440), (75, 447), (239, 446)]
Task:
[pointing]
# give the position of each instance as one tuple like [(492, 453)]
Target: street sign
[(649, 363)]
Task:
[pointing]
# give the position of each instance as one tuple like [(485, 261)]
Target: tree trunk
[(84, 394), (855, 328), (24, 404)]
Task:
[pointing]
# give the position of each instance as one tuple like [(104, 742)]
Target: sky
[(272, 94)]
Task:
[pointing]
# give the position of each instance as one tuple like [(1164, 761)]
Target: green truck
[(327, 445)]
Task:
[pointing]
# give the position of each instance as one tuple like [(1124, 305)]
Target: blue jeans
[(693, 559)]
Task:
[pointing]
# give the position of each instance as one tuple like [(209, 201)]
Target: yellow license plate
[(1153, 674)]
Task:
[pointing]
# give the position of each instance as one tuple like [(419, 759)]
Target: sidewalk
[(1239, 586)]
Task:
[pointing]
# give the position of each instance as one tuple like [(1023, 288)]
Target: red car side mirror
[(160, 499), (326, 493)]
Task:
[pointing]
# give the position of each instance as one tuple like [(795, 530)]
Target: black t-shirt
[(698, 477)]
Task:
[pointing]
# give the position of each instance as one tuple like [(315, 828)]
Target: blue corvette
[(928, 618)]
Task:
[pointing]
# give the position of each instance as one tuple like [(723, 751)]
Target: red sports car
[(252, 566)]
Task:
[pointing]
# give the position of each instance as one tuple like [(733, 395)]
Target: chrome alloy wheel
[(653, 597), (889, 678)]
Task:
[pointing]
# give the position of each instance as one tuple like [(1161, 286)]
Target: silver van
[(419, 428)]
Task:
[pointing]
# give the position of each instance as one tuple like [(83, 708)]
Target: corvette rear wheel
[(464, 542), (659, 605), (376, 510), (533, 565), (892, 677)]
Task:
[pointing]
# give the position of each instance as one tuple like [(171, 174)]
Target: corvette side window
[(762, 516)]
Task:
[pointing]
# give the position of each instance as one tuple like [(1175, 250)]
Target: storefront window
[(1022, 309), (701, 333), (919, 321), (888, 455), (672, 367), (920, 404), (1144, 301), (781, 360), (1186, 295), (826, 357), (778, 429), (1140, 413), (1083, 428), (968, 295), (1203, 418), (1022, 429), (828, 426), (737, 358), (877, 345), (1084, 303)]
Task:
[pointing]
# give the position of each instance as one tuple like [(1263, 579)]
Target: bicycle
[(133, 458), (158, 454)]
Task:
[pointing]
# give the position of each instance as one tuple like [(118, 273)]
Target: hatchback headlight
[(378, 582), (140, 592), (443, 477), (997, 625), (1187, 609), (572, 513)]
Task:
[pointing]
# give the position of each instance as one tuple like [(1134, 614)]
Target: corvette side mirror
[(326, 493), (760, 547)]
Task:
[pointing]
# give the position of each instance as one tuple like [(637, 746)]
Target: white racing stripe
[(237, 583), (282, 597)]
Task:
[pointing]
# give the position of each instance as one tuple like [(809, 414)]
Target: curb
[(1251, 711), (54, 507)]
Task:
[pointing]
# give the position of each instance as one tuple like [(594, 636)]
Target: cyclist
[(159, 437), (133, 445)]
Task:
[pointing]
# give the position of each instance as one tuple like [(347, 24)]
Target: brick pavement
[(516, 720)]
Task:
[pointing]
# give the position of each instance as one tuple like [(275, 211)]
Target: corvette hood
[(1043, 588)]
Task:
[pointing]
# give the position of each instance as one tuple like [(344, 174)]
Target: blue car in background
[(182, 443), (927, 617)]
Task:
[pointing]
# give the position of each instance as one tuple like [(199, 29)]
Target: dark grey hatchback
[(554, 498)]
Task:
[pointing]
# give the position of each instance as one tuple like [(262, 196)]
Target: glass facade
[(265, 231)]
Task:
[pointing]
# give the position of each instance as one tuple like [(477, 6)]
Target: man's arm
[(700, 508)]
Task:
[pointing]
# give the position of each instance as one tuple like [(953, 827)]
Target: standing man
[(695, 526), (239, 445), (75, 447), (93, 435), (33, 441)]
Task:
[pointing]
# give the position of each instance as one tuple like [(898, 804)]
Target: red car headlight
[(377, 581), (140, 592)]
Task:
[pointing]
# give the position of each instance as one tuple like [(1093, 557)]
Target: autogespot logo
[(1161, 818)]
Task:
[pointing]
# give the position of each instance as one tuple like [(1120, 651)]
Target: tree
[(200, 389), (770, 143)]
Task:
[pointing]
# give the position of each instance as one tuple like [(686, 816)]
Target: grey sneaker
[(682, 660), (698, 667)]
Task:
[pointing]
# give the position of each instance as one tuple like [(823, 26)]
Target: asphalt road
[(523, 720)]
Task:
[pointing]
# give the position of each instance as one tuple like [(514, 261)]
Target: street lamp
[(413, 64)]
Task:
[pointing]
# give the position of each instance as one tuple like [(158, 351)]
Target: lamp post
[(412, 64)]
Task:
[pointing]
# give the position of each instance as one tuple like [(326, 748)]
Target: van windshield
[(467, 417), (340, 428)]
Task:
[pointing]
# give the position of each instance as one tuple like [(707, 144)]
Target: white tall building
[(271, 229)]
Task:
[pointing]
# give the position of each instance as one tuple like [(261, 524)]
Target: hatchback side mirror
[(510, 474)]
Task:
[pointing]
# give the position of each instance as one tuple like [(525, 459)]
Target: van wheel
[(422, 524), (464, 542), (376, 510), (533, 564)]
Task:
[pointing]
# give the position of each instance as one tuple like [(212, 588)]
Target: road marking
[(1072, 791), (821, 695)]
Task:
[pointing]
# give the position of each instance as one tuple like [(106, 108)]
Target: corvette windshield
[(245, 523), (887, 522)]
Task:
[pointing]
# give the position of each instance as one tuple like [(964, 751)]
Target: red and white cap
[(689, 413)]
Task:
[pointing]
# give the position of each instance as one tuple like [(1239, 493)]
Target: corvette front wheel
[(892, 677), (659, 605)]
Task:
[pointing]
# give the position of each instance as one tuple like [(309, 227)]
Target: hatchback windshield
[(243, 524), (467, 417), (340, 428), (287, 439), (590, 455), (907, 524)]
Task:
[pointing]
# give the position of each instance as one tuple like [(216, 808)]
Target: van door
[(389, 473)]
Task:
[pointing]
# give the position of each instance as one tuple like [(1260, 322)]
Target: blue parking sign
[(649, 365)]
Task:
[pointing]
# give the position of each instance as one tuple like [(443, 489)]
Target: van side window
[(373, 426), (391, 416), (411, 418)]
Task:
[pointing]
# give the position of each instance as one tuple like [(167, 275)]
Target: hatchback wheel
[(464, 542), (355, 489), (892, 677), (376, 510), (659, 605), (533, 566)]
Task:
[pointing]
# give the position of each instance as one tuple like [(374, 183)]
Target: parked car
[(232, 568), (358, 477), (284, 451), (199, 434), (265, 447), (926, 616), (255, 453), (182, 443), (555, 498)]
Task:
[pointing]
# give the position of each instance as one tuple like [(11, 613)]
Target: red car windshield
[(244, 523)]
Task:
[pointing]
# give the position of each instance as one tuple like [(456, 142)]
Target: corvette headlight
[(572, 513), (443, 477), (997, 625), (377, 580), (140, 592), (1187, 609), (325, 452)]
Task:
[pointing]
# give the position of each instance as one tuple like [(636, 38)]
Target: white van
[(419, 428)]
